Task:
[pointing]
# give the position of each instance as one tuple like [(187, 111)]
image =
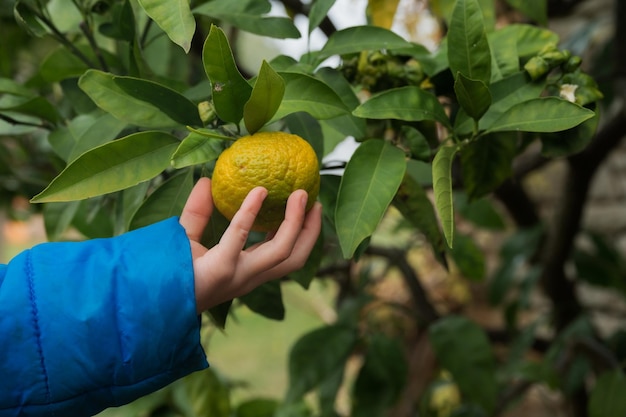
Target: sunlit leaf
[(172, 103), (174, 17), (404, 103), (109, 96), (308, 94), (230, 90), (549, 114), (442, 187), (468, 48), (112, 167), (369, 183), (265, 98), (382, 12), (196, 149)]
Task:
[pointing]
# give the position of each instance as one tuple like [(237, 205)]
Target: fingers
[(236, 235), (197, 210)]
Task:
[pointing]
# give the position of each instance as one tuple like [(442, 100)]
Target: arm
[(94, 324)]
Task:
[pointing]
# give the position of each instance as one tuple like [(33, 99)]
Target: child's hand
[(226, 270)]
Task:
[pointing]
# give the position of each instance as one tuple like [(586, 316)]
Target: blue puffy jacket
[(89, 325)]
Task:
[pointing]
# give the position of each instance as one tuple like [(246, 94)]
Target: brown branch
[(327, 26)]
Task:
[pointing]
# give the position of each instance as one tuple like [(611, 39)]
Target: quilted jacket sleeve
[(89, 325)]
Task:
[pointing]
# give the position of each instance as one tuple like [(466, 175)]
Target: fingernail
[(304, 199)]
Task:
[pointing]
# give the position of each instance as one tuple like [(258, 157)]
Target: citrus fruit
[(279, 161)]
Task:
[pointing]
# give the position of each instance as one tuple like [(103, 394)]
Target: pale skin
[(227, 270)]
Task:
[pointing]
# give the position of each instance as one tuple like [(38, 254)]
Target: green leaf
[(112, 167), (462, 348), (308, 94), (319, 11), (230, 90), (8, 86), (172, 103), (174, 17), (570, 141), (531, 39), (362, 38), (266, 300), (369, 183), (58, 217), (473, 95), (607, 397), (257, 407), (468, 48), (307, 273), (166, 201), (31, 106), (196, 149), (536, 10), (410, 103), (201, 393), (487, 162), (468, 257), (415, 206), (505, 94), (247, 15), (26, 18), (549, 114), (265, 99), (381, 379), (122, 25), (442, 187), (90, 132), (307, 127), (109, 96), (316, 356)]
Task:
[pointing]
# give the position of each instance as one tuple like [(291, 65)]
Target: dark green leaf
[(480, 212), (417, 143), (265, 99), (570, 141), (413, 202), (58, 217), (112, 167), (308, 94), (462, 348), (247, 15), (122, 25), (381, 379), (473, 96), (166, 201), (362, 38), (468, 257), (174, 17), (307, 127), (230, 90), (196, 149), (219, 314), (607, 397), (505, 94), (549, 114), (316, 356), (369, 183), (319, 11), (266, 300), (404, 103), (31, 106), (468, 48), (201, 394), (487, 162), (536, 10), (305, 275), (173, 104), (442, 187), (257, 407), (26, 18)]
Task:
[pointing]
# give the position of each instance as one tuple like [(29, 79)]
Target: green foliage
[(129, 106)]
